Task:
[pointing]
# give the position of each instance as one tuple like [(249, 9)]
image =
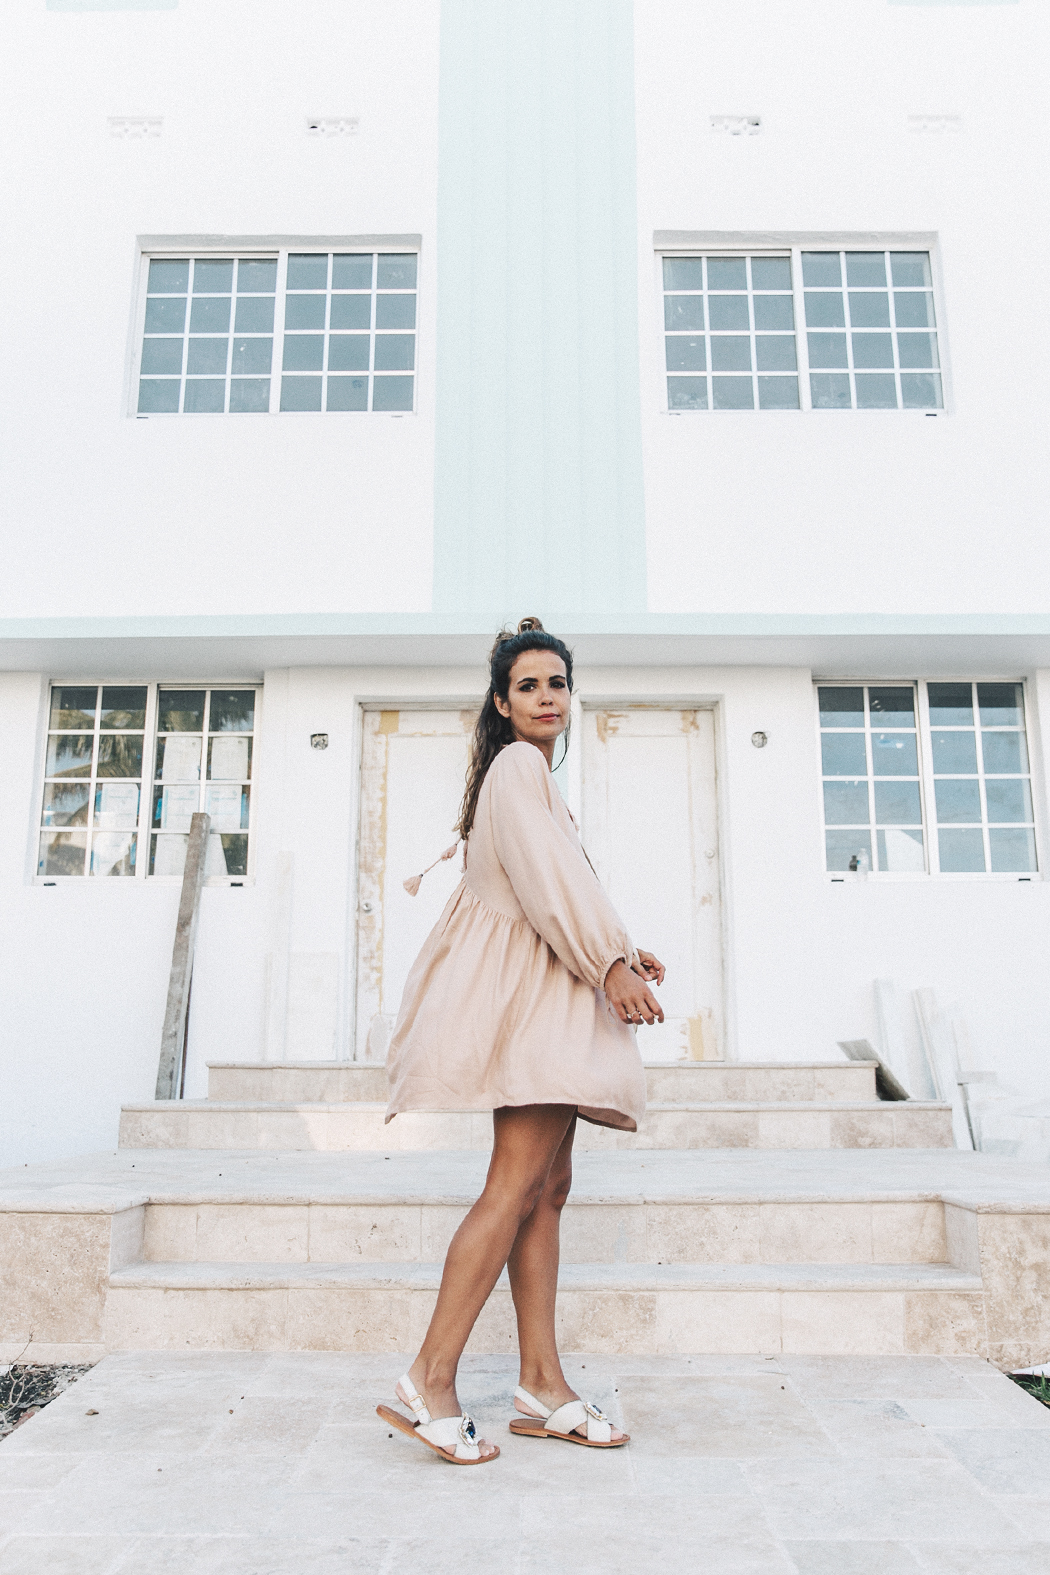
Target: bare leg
[(533, 1270), (526, 1140)]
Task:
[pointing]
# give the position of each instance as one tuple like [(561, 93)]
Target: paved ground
[(253, 1464)]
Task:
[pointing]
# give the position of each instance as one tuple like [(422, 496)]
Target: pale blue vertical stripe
[(538, 486)]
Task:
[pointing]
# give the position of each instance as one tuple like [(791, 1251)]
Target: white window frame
[(144, 826), (927, 797), (793, 247), (262, 250)]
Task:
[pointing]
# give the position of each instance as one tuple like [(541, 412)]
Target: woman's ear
[(502, 706)]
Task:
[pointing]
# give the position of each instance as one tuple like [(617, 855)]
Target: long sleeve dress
[(504, 1004)]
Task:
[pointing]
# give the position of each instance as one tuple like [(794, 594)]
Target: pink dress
[(504, 1004)]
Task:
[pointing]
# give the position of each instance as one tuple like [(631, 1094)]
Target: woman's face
[(537, 700)]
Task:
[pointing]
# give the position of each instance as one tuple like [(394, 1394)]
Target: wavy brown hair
[(492, 730)]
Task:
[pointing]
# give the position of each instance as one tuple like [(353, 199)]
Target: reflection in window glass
[(204, 769), (729, 333), (872, 801), (93, 781)]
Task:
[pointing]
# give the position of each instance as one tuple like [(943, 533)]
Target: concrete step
[(330, 1126), (603, 1308), (704, 1082)]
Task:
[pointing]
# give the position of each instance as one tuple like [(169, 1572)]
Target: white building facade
[(347, 334)]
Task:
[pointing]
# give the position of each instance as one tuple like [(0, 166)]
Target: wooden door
[(650, 825)]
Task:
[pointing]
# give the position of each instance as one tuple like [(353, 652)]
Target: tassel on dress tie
[(411, 885)]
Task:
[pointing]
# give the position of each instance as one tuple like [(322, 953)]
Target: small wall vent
[(135, 127), (737, 125), (331, 126), (934, 124)]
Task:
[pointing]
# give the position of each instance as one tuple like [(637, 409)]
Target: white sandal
[(563, 1422), (454, 1438)]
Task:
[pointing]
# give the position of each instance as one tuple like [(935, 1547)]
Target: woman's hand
[(630, 998), (651, 968)]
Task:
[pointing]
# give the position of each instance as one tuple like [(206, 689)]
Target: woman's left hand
[(651, 969)]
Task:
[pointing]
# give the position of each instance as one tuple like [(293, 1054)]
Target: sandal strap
[(568, 1417), (531, 1401), (414, 1400), (457, 1433)]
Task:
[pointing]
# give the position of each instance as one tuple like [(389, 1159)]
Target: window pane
[(254, 314), (957, 800), (62, 853), (395, 311), (684, 312), (210, 314), (774, 311), (683, 273), (300, 393), (961, 852), (307, 271), (865, 268), (348, 393), (207, 357), (900, 852), (841, 707), (921, 391), (212, 277), (732, 393), (911, 268), (167, 855), (232, 711), (165, 316), (917, 350), (73, 707), (162, 355), (69, 755), (954, 753), (687, 393), (843, 755), (179, 758), (876, 391), (775, 353), (828, 350), (1008, 798), (117, 806), (227, 804), (396, 271), (895, 706), (227, 855), (898, 804), (869, 310), (845, 803), (113, 853), (824, 311), (123, 708), (168, 276), (66, 803), (1004, 752), (304, 311), (728, 311), (252, 356), (913, 310), (1012, 850), (821, 268), (845, 849), (120, 755), (157, 398), (726, 273), (392, 393), (731, 353), (249, 395), (686, 353), (395, 353), (778, 393), (303, 353), (205, 396), (1000, 705), (894, 755), (951, 705), (352, 271), (873, 350), (229, 758), (180, 711), (830, 391), (256, 276), (175, 807), (351, 311), (771, 273)]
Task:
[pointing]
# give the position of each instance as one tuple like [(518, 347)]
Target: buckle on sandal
[(467, 1431), (592, 1410)]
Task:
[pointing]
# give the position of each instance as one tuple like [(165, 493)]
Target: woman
[(520, 1003)]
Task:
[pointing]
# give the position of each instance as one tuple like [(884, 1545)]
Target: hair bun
[(527, 625)]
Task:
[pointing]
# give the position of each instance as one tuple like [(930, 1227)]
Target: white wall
[(855, 511), (118, 516)]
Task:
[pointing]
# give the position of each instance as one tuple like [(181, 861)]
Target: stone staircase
[(761, 1208)]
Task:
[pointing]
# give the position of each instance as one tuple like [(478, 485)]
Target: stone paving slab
[(125, 1177), (244, 1463)]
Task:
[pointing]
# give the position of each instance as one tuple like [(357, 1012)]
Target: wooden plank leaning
[(173, 1036)]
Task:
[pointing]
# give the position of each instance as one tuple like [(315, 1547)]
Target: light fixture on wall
[(760, 740), (318, 740)]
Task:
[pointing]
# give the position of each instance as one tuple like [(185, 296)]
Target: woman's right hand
[(630, 997)]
